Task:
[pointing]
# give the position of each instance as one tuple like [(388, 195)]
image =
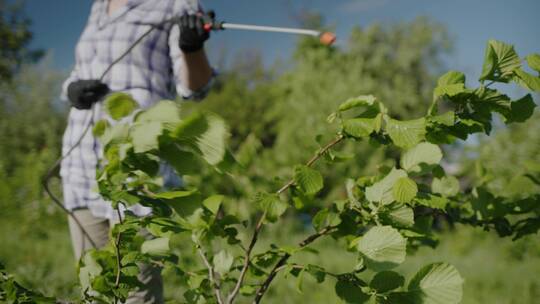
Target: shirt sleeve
[(185, 7)]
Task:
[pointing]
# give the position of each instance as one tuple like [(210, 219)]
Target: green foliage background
[(274, 116)]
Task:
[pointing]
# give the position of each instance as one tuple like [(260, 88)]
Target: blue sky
[(57, 24)]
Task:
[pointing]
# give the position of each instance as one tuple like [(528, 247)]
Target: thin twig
[(118, 257), (310, 239), (211, 275), (260, 222)]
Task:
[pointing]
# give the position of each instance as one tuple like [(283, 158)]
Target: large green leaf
[(522, 109), (309, 180), (184, 162), (212, 143), (421, 156), (364, 100), (359, 127), (119, 105), (451, 84), (404, 190), (381, 191), (157, 247), (500, 61), (145, 136), (383, 248), (438, 283), (400, 216), (447, 186), (350, 292), (207, 133), (183, 202), (271, 204), (386, 280), (533, 60), (223, 262), (325, 218), (406, 134), (115, 134), (527, 80), (165, 111), (431, 201), (451, 77), (213, 203)]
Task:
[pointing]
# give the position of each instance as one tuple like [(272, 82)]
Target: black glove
[(192, 31), (83, 93)]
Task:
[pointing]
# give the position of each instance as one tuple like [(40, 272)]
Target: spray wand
[(326, 38)]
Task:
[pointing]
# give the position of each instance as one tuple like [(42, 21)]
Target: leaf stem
[(117, 249), (211, 274)]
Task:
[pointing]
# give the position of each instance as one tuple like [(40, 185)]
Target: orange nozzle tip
[(327, 38)]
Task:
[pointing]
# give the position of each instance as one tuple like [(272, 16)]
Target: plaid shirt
[(151, 72)]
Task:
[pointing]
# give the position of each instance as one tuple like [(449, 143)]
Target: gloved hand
[(83, 93), (192, 31)]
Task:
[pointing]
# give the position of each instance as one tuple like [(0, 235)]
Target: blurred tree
[(31, 126), (508, 162), (15, 37)]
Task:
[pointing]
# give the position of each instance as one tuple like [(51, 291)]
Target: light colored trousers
[(98, 229)]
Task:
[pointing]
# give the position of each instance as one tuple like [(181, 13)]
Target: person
[(171, 58)]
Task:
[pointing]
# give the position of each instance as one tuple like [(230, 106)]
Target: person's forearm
[(197, 70)]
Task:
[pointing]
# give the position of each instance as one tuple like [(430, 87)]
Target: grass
[(496, 271)]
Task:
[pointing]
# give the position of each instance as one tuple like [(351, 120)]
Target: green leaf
[(446, 186), (406, 134), (207, 132), (325, 218), (212, 143), (533, 60), (317, 272), (309, 180), (213, 203), (350, 292), (422, 155), (89, 270), (446, 119), (383, 248), (156, 247), (183, 202), (386, 281), (382, 190), (165, 111), (223, 262), (438, 283), (401, 216), (404, 190), (119, 105), (364, 100), (271, 204), (100, 127), (431, 201), (451, 77), (184, 162), (116, 134), (527, 80), (145, 136), (500, 61), (522, 109), (359, 127), (452, 83)]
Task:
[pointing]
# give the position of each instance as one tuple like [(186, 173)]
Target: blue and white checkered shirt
[(151, 72)]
